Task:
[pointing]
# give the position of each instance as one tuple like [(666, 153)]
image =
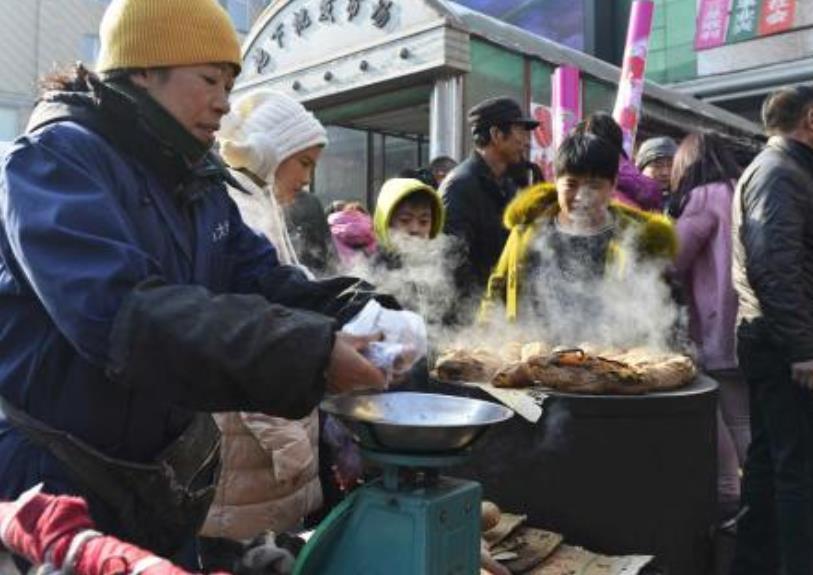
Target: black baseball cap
[(497, 111)]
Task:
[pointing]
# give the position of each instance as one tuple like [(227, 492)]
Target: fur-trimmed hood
[(657, 236)]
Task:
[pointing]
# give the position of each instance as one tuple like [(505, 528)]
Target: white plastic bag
[(404, 337)]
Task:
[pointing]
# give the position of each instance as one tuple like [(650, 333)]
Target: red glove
[(37, 524), (46, 529)]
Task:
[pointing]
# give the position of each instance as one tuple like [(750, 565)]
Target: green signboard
[(743, 24)]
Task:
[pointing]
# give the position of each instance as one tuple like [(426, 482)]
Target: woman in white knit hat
[(271, 143), (269, 479)]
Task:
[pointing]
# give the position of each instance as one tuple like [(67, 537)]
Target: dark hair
[(583, 154), (442, 163), (603, 125), (482, 134), (417, 198), (421, 174), (702, 158), (73, 79), (784, 109), (78, 78)]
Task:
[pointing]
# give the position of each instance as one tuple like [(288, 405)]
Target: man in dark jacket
[(476, 193), (773, 273), (132, 296)]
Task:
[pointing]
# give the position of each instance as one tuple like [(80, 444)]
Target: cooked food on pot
[(576, 370), (468, 365)]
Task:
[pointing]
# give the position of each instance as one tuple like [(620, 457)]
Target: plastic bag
[(404, 337)]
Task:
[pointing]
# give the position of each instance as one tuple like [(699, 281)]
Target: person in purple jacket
[(632, 188), (703, 176)]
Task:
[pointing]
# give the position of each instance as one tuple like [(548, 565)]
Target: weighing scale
[(411, 520)]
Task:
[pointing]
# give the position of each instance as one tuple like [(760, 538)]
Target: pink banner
[(627, 109), (712, 23), (566, 101)]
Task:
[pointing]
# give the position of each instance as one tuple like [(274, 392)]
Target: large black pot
[(614, 474)]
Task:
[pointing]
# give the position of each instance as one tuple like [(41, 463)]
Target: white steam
[(422, 280), (633, 308), (628, 305)]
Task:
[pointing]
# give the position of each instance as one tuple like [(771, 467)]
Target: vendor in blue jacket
[(133, 299)]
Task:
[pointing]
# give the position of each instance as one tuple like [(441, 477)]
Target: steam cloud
[(633, 309), (423, 282)]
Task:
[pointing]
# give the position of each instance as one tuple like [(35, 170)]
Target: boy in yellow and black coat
[(572, 230)]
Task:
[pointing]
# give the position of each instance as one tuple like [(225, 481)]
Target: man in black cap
[(478, 190)]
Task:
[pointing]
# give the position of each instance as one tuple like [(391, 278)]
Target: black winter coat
[(475, 201), (773, 247)]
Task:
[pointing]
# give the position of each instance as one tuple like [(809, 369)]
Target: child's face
[(583, 200), (414, 220)]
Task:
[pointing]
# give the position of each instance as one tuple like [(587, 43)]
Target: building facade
[(729, 52), (766, 44), (392, 80), (732, 52), (40, 36)]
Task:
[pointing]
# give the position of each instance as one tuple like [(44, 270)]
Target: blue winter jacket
[(132, 294)]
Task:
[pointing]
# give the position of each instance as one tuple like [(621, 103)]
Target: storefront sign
[(299, 19), (320, 48), (777, 16), (744, 20), (712, 23), (728, 21)]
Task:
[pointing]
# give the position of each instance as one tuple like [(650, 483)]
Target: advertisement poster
[(542, 148), (728, 21), (712, 24), (744, 21), (777, 16)]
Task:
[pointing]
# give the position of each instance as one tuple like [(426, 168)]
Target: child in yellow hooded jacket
[(407, 206), (573, 230)]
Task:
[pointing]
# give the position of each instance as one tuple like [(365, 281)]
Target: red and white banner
[(542, 148), (776, 16)]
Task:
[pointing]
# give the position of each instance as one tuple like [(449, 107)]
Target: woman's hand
[(348, 369)]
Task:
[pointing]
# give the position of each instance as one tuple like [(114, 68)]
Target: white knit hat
[(264, 129)]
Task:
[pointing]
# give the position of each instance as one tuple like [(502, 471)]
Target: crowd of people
[(162, 259)]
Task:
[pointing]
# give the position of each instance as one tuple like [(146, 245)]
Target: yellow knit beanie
[(164, 33)]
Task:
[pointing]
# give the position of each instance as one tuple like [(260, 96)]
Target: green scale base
[(425, 525)]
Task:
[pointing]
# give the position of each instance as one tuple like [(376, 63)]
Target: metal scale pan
[(419, 423)]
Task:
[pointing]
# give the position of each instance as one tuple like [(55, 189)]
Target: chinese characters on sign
[(712, 20), (279, 35), (727, 21), (302, 20), (777, 16), (261, 60), (744, 20), (326, 11), (353, 7), (381, 15)]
